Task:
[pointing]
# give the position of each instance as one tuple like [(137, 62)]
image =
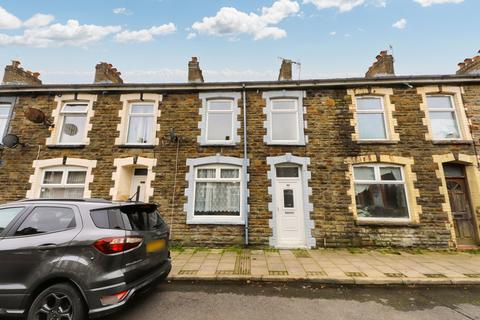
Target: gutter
[(303, 84), (245, 164)]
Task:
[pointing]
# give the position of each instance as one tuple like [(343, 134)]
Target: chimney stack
[(470, 66), (285, 70), (382, 67), (14, 74), (194, 72), (106, 73)]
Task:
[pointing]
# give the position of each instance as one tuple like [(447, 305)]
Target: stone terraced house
[(383, 160)]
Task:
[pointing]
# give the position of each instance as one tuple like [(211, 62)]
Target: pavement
[(184, 300), (328, 266)]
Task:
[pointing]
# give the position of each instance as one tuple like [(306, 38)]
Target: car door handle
[(47, 246)]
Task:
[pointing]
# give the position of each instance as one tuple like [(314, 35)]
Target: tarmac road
[(237, 300)]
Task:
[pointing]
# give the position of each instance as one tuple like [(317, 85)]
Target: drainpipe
[(245, 164)]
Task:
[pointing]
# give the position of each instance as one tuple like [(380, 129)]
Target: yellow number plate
[(155, 245)]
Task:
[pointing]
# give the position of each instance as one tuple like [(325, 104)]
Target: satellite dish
[(37, 116), (10, 141)]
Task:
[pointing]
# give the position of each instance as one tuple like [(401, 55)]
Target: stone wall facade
[(329, 129)]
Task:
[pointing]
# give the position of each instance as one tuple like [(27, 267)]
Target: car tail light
[(117, 244), (114, 299)]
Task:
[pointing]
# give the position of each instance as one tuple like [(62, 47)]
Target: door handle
[(47, 246)]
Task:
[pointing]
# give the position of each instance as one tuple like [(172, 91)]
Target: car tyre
[(60, 301)]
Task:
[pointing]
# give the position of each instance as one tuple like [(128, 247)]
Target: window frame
[(381, 111), (453, 110), (218, 168), (153, 116), (10, 102), (231, 101), (63, 115), (297, 96), (26, 213), (294, 111), (63, 184), (14, 221), (378, 181)]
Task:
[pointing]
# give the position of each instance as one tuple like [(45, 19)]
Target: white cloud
[(39, 20), (380, 3), (72, 33), (8, 20), (427, 3), (400, 24), (123, 11), (333, 33), (231, 22), (342, 5), (145, 35), (191, 35)]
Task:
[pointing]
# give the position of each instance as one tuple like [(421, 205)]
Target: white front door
[(290, 219), (138, 188)]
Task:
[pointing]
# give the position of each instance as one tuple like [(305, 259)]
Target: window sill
[(66, 146), (385, 223), (467, 142), (136, 146), (293, 144), (216, 221), (377, 142), (219, 144)]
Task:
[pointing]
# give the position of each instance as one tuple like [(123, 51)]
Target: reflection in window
[(380, 192), (47, 219), (74, 121), (371, 118), (443, 118), (220, 120)]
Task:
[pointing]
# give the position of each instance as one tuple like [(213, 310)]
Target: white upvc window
[(380, 192), (73, 123), (217, 192), (141, 123), (285, 124), (371, 119), (63, 182), (5, 112), (443, 117), (219, 122)]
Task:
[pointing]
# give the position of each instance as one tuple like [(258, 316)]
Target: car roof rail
[(97, 200)]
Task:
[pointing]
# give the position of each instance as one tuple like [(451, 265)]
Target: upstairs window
[(285, 125), (371, 120), (74, 120), (220, 118), (141, 124), (380, 192), (5, 111), (443, 117), (63, 183), (217, 191)]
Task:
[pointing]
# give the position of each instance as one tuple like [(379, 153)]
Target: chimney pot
[(384, 66), (105, 73), (469, 66), (195, 74), (14, 74)]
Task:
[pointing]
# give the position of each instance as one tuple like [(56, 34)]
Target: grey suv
[(75, 259)]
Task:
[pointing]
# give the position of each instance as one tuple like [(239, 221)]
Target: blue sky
[(152, 40)]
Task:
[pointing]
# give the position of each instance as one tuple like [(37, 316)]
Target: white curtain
[(217, 198)]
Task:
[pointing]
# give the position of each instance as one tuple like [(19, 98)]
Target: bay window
[(141, 124), (217, 191), (74, 121), (371, 120), (443, 117), (380, 192), (63, 182)]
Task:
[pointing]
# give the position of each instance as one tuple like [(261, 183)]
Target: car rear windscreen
[(135, 217)]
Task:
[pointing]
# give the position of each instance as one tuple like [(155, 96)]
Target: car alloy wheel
[(55, 306)]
